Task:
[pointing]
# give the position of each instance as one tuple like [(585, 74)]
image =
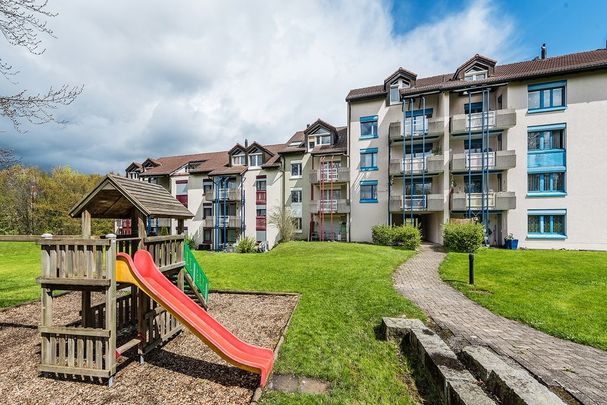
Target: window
[(475, 185), (255, 160), (296, 196), (368, 191), (239, 160), (207, 211), (419, 120), (418, 187), (260, 184), (323, 139), (261, 212), (472, 108), (550, 224), (546, 182), (368, 127), (295, 169), (298, 225), (181, 191), (207, 185), (295, 144), (546, 96), (368, 159), (543, 140), (394, 94), (475, 73), (418, 150)]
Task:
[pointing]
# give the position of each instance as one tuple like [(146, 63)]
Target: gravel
[(182, 371)]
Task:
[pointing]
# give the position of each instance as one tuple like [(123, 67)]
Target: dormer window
[(394, 94), (295, 144), (323, 138), (255, 160), (239, 160), (476, 73)]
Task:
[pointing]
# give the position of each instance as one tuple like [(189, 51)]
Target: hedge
[(406, 236), (466, 237)]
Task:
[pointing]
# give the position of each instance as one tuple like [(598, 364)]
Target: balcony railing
[(260, 223), (546, 159), (260, 197), (228, 221), (428, 202), (433, 127), (498, 201), (327, 206), (493, 120), (499, 160), (328, 175), (229, 194), (421, 164)]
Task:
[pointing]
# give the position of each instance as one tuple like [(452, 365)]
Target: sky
[(165, 78)]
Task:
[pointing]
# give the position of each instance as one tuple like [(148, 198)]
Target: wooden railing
[(167, 251)]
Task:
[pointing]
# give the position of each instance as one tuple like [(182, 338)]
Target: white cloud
[(175, 77)]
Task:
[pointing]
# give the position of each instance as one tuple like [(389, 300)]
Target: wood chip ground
[(183, 371)]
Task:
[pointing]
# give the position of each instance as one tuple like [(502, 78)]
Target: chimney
[(307, 125), (246, 143), (543, 52)]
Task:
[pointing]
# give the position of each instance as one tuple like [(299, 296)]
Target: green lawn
[(19, 267), (562, 293), (345, 290)]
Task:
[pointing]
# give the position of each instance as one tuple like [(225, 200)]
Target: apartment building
[(520, 147), (517, 146), (231, 193)]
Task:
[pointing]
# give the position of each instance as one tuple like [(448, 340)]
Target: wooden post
[(86, 224), (181, 275), (179, 226), (110, 307)]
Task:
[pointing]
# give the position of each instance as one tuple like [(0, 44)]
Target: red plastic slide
[(146, 276)]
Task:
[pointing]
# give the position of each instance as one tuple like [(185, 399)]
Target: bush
[(465, 238), (405, 235), (246, 244), (382, 235), (283, 220), (190, 242)]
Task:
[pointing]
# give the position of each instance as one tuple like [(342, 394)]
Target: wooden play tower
[(113, 317)]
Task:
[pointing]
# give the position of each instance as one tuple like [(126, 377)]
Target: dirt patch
[(184, 370)]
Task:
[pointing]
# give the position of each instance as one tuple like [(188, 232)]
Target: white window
[(239, 160), (296, 196), (323, 139), (255, 160), (475, 73), (296, 170), (394, 94), (298, 225)]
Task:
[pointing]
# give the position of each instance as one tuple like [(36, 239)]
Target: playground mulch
[(183, 371)]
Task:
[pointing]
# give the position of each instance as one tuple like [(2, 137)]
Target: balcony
[(330, 206), (433, 126), (495, 161), (227, 221), (260, 223), (541, 160), (225, 194), (420, 203), (423, 164), (496, 120), (260, 197), (331, 175), (496, 201)]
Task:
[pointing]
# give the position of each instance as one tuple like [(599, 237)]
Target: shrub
[(382, 235), (190, 242), (466, 237), (246, 244), (283, 220), (407, 236)]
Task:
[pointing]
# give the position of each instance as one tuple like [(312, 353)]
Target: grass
[(345, 290), (562, 293), (19, 267)]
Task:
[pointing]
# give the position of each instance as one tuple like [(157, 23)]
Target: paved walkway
[(579, 369)]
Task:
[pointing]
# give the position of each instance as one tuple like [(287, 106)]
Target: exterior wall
[(365, 215), (302, 183), (195, 205), (273, 200), (586, 119)]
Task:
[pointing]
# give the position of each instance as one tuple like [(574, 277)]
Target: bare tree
[(23, 23), (7, 158)]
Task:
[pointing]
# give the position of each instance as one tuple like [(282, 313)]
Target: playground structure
[(144, 301)]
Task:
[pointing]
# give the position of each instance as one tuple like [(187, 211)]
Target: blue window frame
[(368, 159), (368, 127), (546, 97), (546, 224), (546, 184), (368, 191)]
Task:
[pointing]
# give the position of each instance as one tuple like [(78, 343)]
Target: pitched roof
[(168, 164), (525, 70), (115, 196), (339, 147)]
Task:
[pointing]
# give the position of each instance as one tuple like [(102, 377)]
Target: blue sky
[(202, 75), (565, 26)]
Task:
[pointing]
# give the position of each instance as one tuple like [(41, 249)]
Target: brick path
[(579, 369)]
